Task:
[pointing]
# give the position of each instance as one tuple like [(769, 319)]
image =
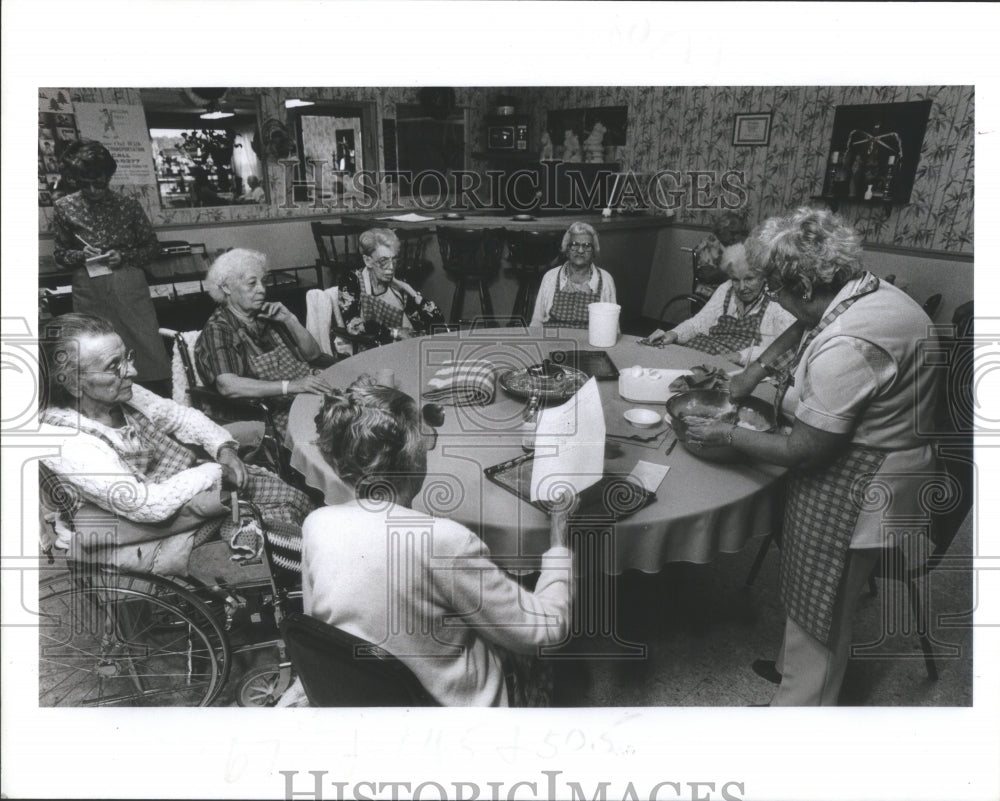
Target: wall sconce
[(212, 112)]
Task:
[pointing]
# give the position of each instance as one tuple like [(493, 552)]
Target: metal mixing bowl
[(716, 403)]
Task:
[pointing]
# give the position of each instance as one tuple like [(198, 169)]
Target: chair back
[(322, 312), (471, 252), (178, 259), (338, 669), (182, 370), (337, 246), (533, 251), (413, 267)]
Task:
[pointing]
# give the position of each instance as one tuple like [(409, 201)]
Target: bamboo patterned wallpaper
[(691, 128)]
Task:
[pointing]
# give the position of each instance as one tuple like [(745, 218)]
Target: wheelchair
[(115, 637)]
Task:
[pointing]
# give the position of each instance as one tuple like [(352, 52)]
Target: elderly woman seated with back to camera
[(250, 348), (159, 467), (467, 620), (374, 302)]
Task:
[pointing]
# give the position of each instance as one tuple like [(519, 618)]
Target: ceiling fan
[(212, 99)]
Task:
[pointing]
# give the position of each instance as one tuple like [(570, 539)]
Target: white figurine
[(546, 153), (571, 147)]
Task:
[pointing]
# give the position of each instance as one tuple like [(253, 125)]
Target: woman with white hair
[(566, 291), (250, 348)]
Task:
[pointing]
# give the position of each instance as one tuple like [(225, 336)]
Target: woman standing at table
[(467, 630), (372, 301), (106, 239), (856, 390), (566, 291)]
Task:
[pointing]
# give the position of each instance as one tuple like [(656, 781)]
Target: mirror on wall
[(203, 143), (340, 135)]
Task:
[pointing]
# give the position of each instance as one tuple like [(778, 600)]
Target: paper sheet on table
[(407, 218), (569, 445), (648, 475)]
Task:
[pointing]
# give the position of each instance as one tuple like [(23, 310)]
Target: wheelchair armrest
[(254, 406), (366, 341)]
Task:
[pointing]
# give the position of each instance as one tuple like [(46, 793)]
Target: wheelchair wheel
[(110, 638), (263, 686)]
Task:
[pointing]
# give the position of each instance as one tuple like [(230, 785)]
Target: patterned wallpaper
[(691, 128)]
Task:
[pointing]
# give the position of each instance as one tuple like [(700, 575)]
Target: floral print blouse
[(115, 222), (422, 313)]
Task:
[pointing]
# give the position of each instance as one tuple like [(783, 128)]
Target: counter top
[(493, 219)]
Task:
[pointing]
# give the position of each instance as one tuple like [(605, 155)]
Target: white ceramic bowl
[(643, 418)]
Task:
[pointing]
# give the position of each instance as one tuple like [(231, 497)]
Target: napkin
[(702, 377), (467, 383)]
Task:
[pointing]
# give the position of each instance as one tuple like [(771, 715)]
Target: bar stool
[(530, 253), (470, 255), (337, 245)]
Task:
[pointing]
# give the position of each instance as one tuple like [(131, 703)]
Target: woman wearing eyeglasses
[(106, 239), (373, 302), (566, 291), (157, 466), (856, 388)]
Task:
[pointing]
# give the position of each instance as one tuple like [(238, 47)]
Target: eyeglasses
[(430, 436), (584, 247), (385, 261), (119, 368)]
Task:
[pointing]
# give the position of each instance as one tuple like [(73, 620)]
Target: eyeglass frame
[(583, 247), (128, 360), (384, 261), (773, 293)]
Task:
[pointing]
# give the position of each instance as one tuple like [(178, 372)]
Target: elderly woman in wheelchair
[(137, 492), (422, 588)]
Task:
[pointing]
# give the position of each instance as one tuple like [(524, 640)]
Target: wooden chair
[(530, 253), (412, 267), (338, 669), (337, 245), (323, 319), (470, 255)]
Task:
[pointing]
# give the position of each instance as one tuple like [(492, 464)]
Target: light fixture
[(212, 112), (298, 103)]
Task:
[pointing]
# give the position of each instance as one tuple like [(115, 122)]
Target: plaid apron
[(383, 313), (821, 512), (277, 364), (569, 309), (154, 456), (730, 333)]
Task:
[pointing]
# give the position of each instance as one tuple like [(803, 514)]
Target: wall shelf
[(834, 202)]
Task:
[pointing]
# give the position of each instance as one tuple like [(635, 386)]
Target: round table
[(701, 508)]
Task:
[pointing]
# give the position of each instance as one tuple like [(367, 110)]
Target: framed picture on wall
[(752, 129)]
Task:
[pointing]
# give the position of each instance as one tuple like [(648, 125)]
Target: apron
[(730, 333), (155, 456), (123, 299), (569, 309), (383, 313), (278, 364), (821, 512)]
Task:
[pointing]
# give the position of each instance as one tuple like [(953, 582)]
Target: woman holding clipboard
[(106, 238)]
